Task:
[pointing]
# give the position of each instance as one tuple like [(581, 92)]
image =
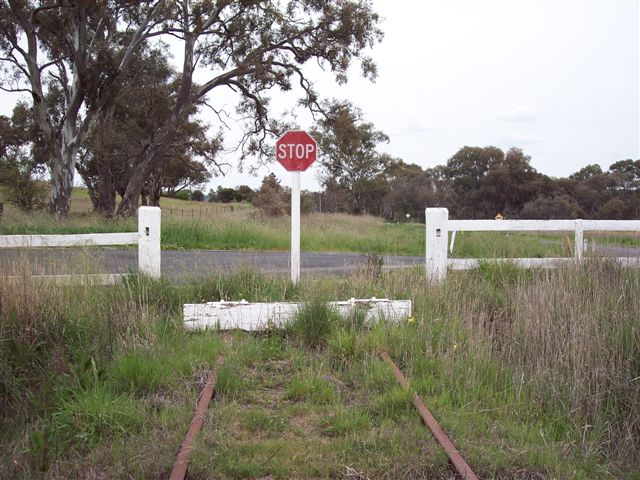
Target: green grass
[(200, 225), (348, 421), (90, 416), (531, 372), (507, 245), (313, 323), (311, 389)]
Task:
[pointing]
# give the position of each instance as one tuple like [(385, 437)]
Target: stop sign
[(296, 150)]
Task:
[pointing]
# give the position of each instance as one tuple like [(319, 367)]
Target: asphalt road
[(189, 263), (178, 264)]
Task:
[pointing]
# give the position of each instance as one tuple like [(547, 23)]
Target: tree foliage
[(21, 159), (352, 167), (86, 51), (113, 151), (272, 198), (69, 56)]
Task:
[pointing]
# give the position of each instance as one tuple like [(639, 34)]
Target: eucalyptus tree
[(251, 47), (78, 48), (113, 150), (350, 162), (84, 47)]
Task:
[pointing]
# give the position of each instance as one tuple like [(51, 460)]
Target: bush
[(547, 208), (21, 188), (183, 195), (272, 199), (197, 196)]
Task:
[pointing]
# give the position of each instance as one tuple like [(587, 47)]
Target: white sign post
[(296, 151), (295, 226)]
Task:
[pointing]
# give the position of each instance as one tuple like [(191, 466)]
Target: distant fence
[(147, 238), (438, 227), (199, 212)]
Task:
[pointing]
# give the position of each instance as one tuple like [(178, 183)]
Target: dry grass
[(583, 348), (535, 374)]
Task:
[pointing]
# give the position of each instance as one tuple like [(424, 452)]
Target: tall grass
[(582, 350), (534, 369)]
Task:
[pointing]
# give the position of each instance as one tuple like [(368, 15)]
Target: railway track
[(181, 463)]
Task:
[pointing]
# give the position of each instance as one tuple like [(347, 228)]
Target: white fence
[(147, 238), (438, 227)]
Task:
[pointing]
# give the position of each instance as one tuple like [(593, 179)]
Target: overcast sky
[(559, 79)]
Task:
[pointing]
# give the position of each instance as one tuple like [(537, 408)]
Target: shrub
[(272, 199), (197, 196), (183, 195)]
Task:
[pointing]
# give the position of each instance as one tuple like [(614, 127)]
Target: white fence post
[(578, 249), (149, 242), (437, 235)]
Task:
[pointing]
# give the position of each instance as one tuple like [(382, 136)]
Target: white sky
[(559, 79)]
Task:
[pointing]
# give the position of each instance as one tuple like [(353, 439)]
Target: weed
[(257, 421), (94, 414), (343, 347), (229, 381), (313, 323), (139, 373)]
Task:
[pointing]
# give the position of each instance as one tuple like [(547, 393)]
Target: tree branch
[(16, 90)]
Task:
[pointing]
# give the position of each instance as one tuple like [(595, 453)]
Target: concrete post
[(436, 245), (578, 250), (149, 241)]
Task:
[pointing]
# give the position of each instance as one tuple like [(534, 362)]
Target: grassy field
[(534, 374), (199, 225)]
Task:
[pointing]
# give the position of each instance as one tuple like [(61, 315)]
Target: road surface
[(188, 263), (178, 264)]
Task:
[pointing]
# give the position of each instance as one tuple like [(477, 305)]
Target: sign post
[(295, 226), (296, 151)]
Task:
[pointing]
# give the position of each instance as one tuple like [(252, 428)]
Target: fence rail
[(542, 225), (75, 240), (147, 238), (438, 227)]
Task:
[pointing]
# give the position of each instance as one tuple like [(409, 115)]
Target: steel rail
[(459, 463), (180, 466)]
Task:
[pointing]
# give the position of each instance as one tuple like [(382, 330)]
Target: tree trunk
[(62, 170), (106, 195), (155, 195), (149, 162), (153, 155), (129, 204), (91, 188)]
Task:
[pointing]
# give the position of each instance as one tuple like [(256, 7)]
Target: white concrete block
[(243, 315)]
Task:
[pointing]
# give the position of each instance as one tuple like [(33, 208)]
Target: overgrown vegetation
[(198, 225), (531, 372)]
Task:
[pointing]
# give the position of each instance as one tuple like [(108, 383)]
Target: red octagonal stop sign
[(296, 150)]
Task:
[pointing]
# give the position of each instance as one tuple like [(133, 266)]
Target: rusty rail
[(459, 463), (179, 471)]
